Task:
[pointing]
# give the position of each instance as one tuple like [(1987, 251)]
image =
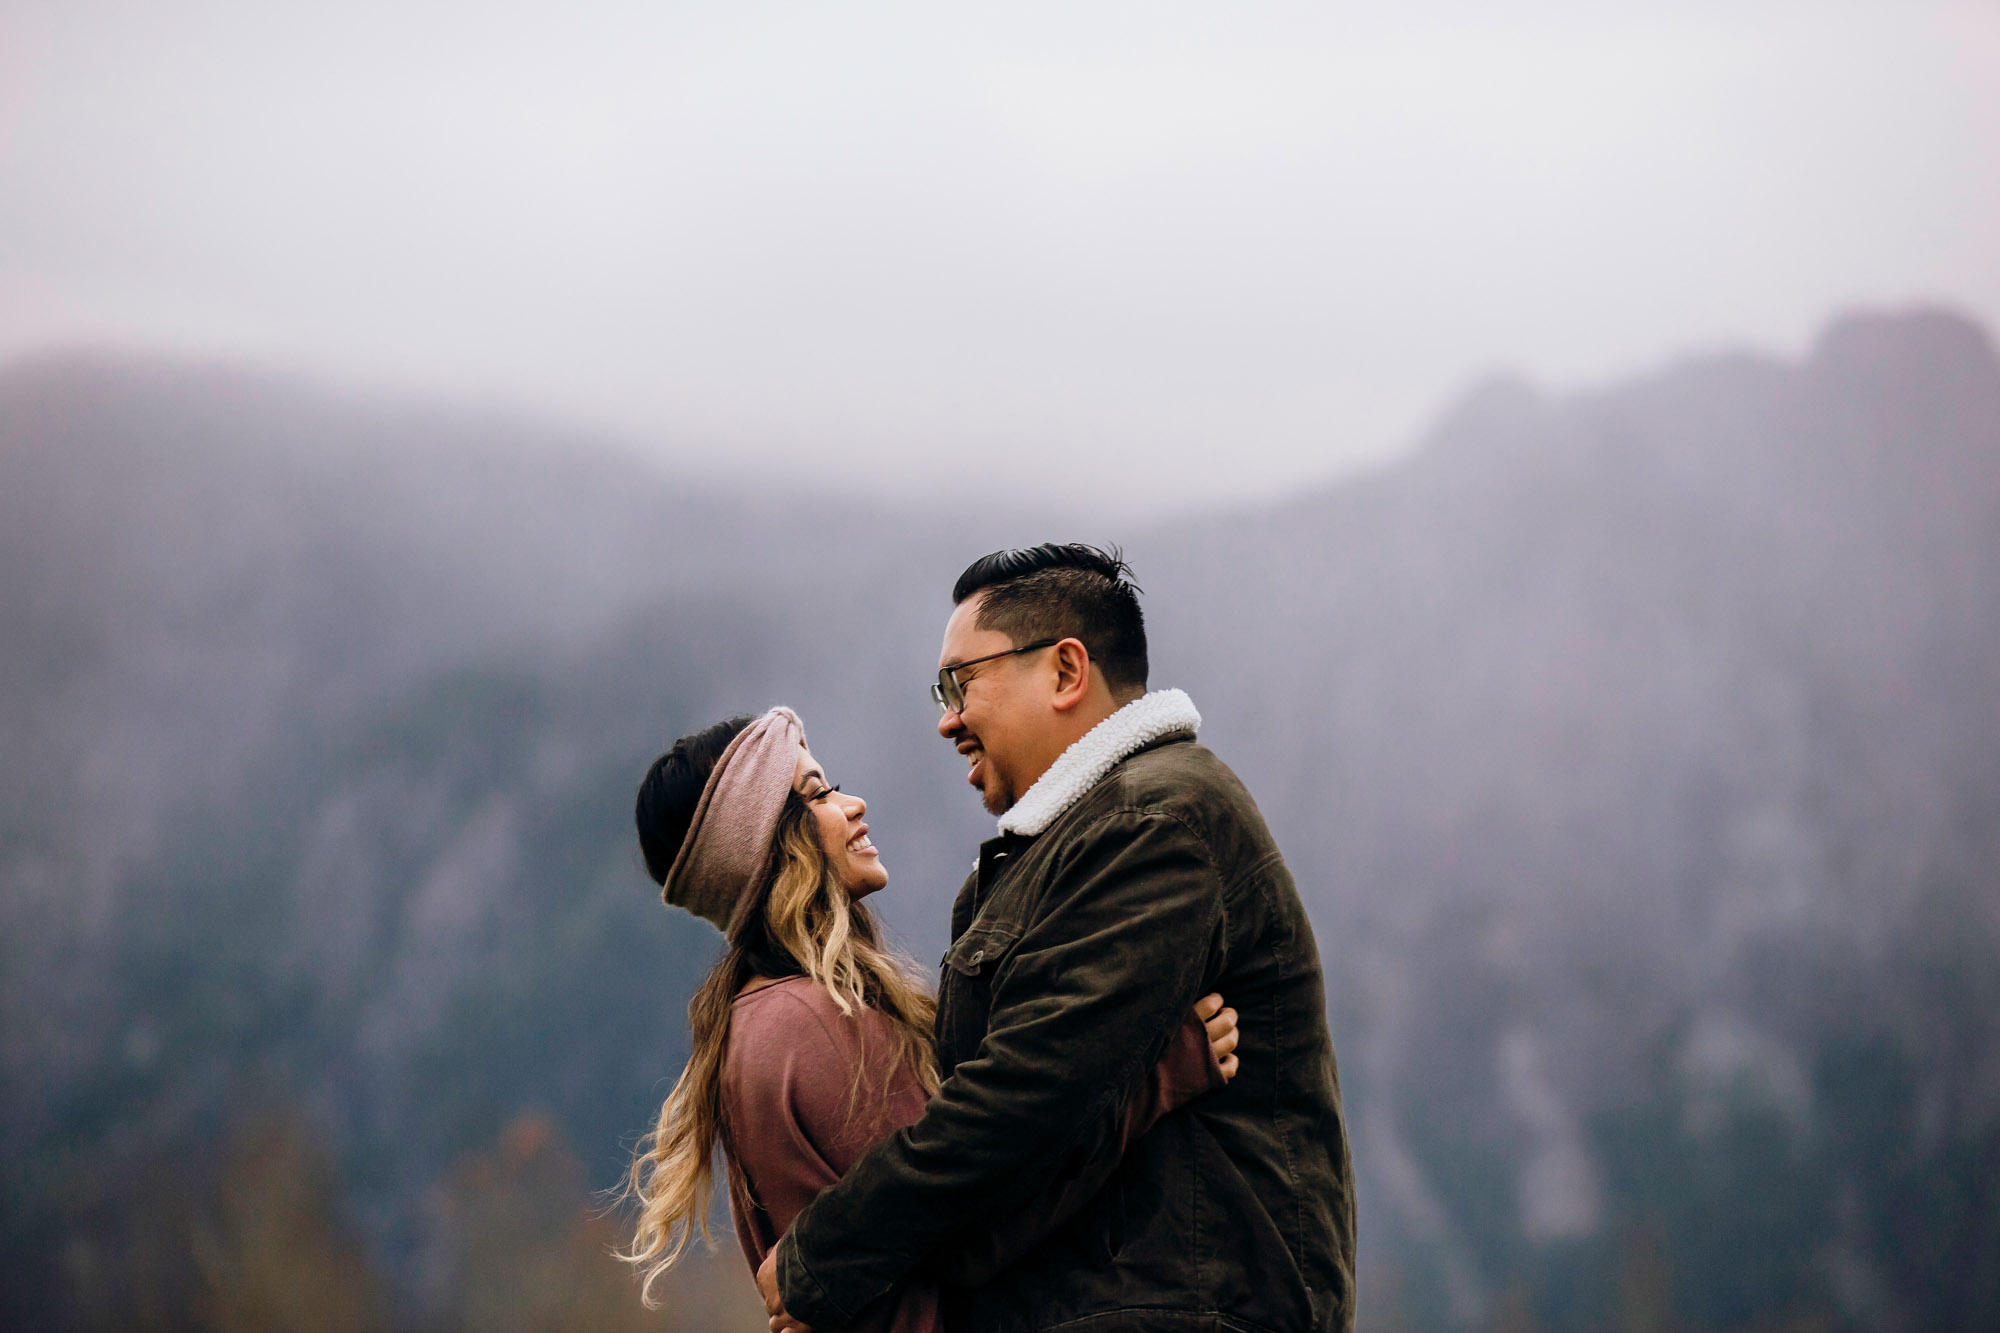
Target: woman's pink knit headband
[(727, 852)]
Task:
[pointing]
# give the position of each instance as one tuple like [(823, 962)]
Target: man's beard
[(996, 793)]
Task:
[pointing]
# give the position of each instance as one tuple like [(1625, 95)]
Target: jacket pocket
[(977, 953)]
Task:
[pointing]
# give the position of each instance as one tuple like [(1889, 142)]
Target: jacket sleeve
[(1127, 931), (1185, 1072)]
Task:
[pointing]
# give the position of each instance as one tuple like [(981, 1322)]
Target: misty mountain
[(1650, 735), (1637, 752)]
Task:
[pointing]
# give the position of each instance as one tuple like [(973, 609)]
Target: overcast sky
[(1139, 256)]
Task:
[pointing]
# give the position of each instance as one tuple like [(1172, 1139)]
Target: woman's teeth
[(861, 843)]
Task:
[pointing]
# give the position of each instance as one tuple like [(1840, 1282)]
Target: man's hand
[(1221, 1025), (774, 1304)]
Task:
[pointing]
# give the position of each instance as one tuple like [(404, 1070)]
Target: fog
[(1133, 258), (1635, 754), (1560, 445)]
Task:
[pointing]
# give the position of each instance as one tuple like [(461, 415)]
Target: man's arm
[(1192, 1066), (1128, 933)]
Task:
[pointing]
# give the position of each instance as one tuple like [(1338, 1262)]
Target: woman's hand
[(774, 1304), (1221, 1025)]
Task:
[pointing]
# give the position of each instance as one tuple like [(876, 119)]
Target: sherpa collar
[(1078, 769)]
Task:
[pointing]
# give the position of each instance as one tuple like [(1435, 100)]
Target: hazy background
[(1135, 240), (1560, 445)]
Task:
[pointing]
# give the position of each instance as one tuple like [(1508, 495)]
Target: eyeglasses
[(949, 692)]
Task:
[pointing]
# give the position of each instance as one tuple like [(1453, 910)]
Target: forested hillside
[(1638, 754)]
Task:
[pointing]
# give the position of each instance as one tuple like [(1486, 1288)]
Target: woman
[(812, 1038)]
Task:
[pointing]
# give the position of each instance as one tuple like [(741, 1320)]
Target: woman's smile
[(842, 832)]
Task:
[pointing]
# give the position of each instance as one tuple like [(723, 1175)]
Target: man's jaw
[(995, 797), (980, 774)]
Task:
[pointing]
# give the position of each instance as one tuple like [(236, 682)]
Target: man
[(1132, 874)]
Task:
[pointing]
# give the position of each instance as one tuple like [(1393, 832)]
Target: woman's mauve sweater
[(797, 1124)]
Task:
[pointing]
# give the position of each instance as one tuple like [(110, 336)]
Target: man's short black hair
[(1064, 590)]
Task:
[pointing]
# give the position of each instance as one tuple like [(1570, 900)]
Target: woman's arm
[(798, 1118)]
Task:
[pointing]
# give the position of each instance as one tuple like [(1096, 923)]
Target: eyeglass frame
[(948, 683)]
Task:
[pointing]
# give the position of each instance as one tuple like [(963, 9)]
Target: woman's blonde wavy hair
[(806, 916)]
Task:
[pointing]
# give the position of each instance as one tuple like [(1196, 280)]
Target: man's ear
[(1074, 670)]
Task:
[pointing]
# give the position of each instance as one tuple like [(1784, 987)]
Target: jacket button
[(978, 957)]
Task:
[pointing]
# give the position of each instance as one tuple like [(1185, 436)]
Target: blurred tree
[(1645, 1284), (273, 1256), (532, 1256), (1513, 1312), (1742, 1204), (1380, 1284)]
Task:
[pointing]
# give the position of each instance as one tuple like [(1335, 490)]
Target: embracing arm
[(1128, 933), (1198, 1060)]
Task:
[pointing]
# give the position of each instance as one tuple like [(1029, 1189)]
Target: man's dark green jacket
[(1075, 955)]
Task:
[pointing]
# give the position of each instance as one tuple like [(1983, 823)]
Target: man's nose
[(950, 724)]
